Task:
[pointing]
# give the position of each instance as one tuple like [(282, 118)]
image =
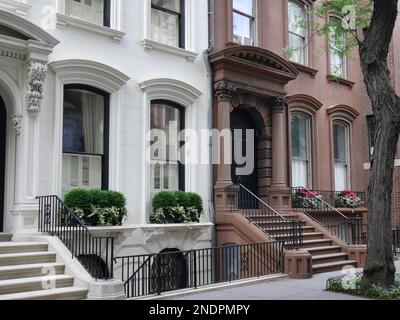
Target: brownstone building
[(306, 111)]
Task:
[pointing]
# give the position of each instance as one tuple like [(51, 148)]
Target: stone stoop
[(327, 254), (28, 271)]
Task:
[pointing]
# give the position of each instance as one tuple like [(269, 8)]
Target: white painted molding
[(171, 89), (27, 28), (150, 45), (19, 7), (64, 21), (100, 76)]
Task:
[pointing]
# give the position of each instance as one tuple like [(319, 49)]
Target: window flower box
[(347, 199), (307, 199)]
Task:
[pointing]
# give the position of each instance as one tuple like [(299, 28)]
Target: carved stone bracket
[(34, 94), (17, 124), (224, 90)]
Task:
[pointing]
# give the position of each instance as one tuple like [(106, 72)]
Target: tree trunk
[(380, 269)]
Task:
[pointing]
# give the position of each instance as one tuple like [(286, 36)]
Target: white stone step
[(52, 294), (26, 258), (20, 247), (35, 284), (5, 236), (30, 270)]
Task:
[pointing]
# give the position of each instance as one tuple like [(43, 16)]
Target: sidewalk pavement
[(284, 289)]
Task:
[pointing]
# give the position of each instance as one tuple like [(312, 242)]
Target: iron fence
[(96, 254), (145, 275)]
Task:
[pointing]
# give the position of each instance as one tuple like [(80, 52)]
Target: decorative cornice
[(345, 82), (150, 45), (279, 103), (34, 95), (343, 109), (303, 100), (224, 91)]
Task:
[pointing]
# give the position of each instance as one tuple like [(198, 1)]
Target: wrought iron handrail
[(267, 219), (349, 230), (145, 275), (95, 253)]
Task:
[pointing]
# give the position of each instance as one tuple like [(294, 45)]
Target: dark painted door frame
[(3, 125)]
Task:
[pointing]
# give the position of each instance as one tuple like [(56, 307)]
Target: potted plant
[(347, 199), (97, 207), (176, 207), (304, 198)]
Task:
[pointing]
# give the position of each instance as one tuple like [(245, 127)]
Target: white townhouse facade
[(104, 72)]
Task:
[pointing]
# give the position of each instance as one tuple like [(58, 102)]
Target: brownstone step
[(332, 257), (333, 266), (316, 243), (306, 236), (316, 251)]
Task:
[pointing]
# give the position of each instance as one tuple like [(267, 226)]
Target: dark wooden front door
[(241, 119), (3, 124)]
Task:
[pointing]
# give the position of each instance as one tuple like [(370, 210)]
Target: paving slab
[(283, 289)]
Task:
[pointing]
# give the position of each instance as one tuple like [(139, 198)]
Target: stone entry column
[(280, 191), (224, 195)]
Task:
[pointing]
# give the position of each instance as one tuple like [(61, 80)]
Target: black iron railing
[(145, 275), (266, 218), (349, 229), (96, 254), (396, 241)]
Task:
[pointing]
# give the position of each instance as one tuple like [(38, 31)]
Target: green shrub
[(176, 207), (97, 207)]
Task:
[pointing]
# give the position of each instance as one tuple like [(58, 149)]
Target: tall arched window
[(85, 138), (341, 147), (301, 150), (167, 172)]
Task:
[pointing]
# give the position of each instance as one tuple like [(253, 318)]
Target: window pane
[(245, 6), (337, 58), (297, 17), (165, 27), (340, 143), (89, 10), (299, 173), (297, 43), (166, 168), (300, 137), (173, 5), (83, 122), (242, 28), (340, 177)]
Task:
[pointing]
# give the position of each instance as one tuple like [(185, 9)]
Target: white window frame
[(253, 27), (331, 51), (189, 50), (99, 76), (348, 156), (115, 31), (183, 94), (306, 37), (309, 148)]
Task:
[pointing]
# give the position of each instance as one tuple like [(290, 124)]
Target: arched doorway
[(241, 119), (3, 125)]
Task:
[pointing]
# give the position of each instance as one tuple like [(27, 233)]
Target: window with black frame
[(93, 11), (168, 22), (85, 138), (167, 171)]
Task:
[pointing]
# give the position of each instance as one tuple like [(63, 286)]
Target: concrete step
[(316, 243), (5, 236), (333, 266), (30, 270), (332, 257), (306, 236), (35, 284), (26, 258), (72, 293), (21, 247), (316, 251)]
